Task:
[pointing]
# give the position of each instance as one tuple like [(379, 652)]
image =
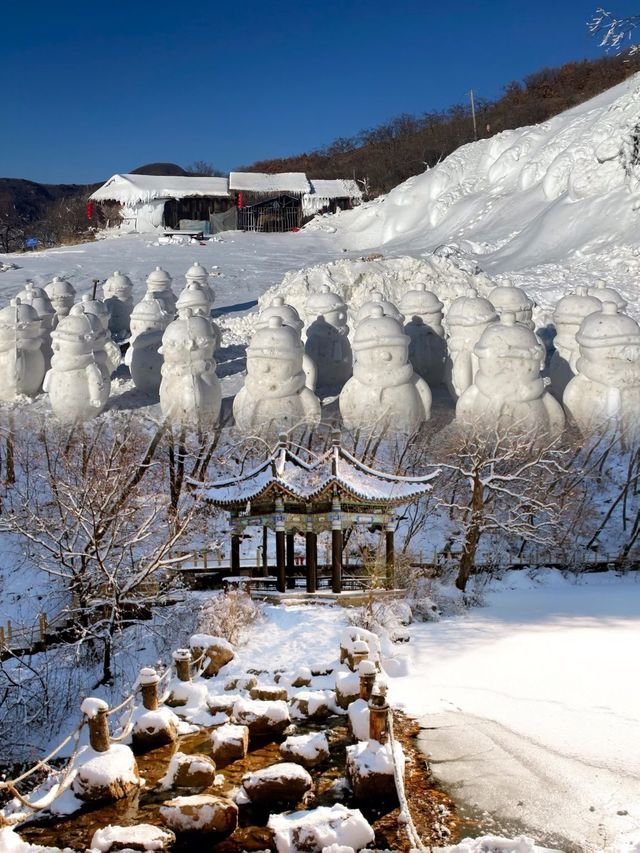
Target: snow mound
[(494, 844), (144, 836)]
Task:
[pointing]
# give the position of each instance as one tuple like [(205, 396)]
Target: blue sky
[(95, 88)]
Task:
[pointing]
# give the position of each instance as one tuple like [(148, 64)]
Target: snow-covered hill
[(551, 204)]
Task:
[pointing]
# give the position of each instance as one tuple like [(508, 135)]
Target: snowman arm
[(47, 381), (425, 395), (310, 372), (95, 383)]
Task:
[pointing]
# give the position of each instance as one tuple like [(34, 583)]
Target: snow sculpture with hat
[(159, 286), (467, 319), (508, 392), (275, 396), (384, 390), (62, 295), (148, 322), (100, 310), (194, 299), (376, 300), (118, 297), (78, 383), (601, 291), (190, 391), (327, 341), (22, 365), (38, 299), (508, 297), (567, 317), (427, 350), (198, 274), (289, 317), (605, 393)]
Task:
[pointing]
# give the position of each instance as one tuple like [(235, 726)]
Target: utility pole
[(473, 114)]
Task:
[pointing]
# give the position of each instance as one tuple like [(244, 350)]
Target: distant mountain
[(160, 169), (30, 199)]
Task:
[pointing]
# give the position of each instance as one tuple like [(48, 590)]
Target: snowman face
[(381, 358), (522, 369), (272, 371), (72, 348), (337, 317)]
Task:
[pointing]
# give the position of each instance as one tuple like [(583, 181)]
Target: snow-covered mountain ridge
[(554, 193)]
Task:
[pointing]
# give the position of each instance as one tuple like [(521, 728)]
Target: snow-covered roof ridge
[(136, 189), (261, 182), (287, 474), (335, 188)]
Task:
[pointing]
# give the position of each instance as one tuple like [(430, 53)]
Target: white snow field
[(532, 702)]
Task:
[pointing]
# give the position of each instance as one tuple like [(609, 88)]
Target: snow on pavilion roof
[(290, 476), (140, 189), (259, 182)]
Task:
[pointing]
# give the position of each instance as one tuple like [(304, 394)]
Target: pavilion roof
[(284, 474)]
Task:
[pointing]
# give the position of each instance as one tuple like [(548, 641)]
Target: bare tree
[(616, 34), (91, 507), (501, 483), (203, 168)]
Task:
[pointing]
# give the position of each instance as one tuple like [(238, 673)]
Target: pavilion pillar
[(389, 555), (265, 551), (336, 545), (311, 543), (235, 553), (281, 578), (291, 566)]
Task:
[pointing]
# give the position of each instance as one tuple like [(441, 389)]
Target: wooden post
[(9, 631), (378, 711), (235, 554), (96, 712), (311, 543), (336, 546), (2, 640), (265, 552), (281, 569), (205, 559), (42, 625), (367, 673), (291, 568), (389, 556), (149, 680), (182, 660)]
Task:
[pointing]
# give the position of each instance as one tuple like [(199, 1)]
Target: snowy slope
[(552, 203)]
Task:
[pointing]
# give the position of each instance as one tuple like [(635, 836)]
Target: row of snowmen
[(490, 359), (70, 349)]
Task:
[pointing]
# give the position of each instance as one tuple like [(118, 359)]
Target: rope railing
[(404, 817)]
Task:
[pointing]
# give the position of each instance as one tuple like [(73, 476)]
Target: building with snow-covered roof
[(269, 202), (329, 196), (146, 203)]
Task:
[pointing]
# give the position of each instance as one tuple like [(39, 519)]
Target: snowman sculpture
[(198, 274), (327, 343), (194, 298), (467, 319), (605, 393), (118, 297), (37, 298), (604, 293), (508, 392), (370, 308), (190, 392), (275, 396), (291, 318), (62, 295), (507, 297), (159, 287), (428, 349), (384, 391), (22, 366), (98, 308), (567, 317), (78, 383), (148, 323)]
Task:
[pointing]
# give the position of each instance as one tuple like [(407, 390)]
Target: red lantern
[(240, 201), (89, 209)]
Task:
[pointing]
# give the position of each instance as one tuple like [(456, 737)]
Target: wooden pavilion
[(289, 495)]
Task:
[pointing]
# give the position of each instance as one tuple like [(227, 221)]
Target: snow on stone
[(101, 768), (206, 641), (229, 732), (308, 746), (312, 831), (315, 700), (495, 844), (358, 713), (177, 760), (10, 842), (372, 757), (143, 836), (249, 710)]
